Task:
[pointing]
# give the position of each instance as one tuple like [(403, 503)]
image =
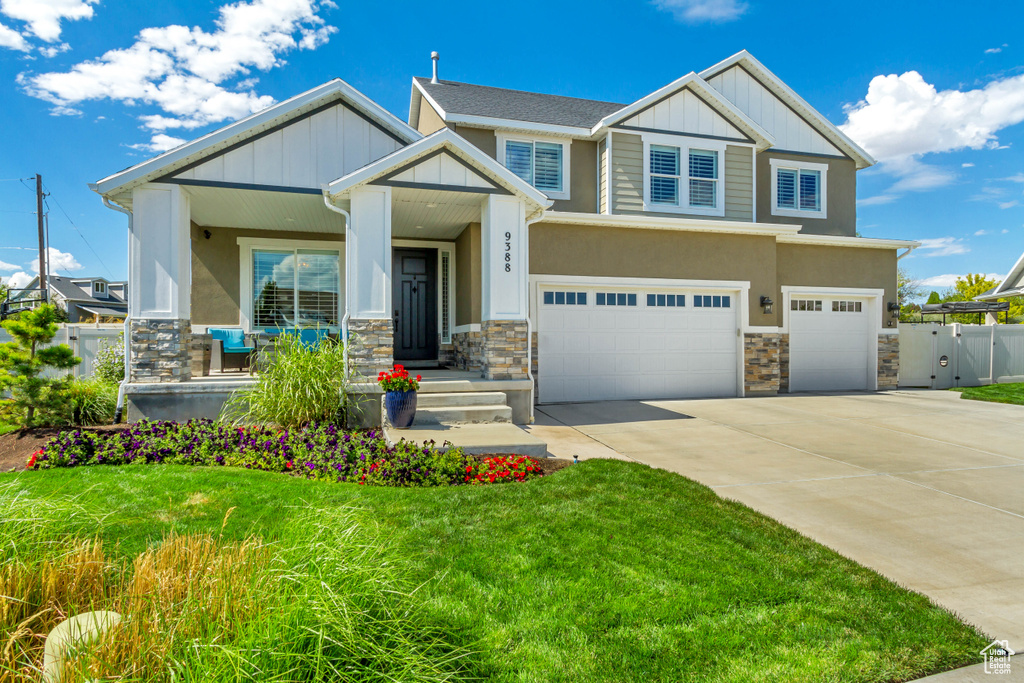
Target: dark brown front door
[(414, 274)]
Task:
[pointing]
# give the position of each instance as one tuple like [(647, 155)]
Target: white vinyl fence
[(85, 340), (943, 356)]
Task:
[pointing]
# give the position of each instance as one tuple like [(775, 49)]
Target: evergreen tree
[(23, 361), (934, 298)]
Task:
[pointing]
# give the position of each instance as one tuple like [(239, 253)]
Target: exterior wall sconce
[(767, 304), (894, 309)]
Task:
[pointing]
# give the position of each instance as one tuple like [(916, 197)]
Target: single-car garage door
[(609, 343), (829, 344)]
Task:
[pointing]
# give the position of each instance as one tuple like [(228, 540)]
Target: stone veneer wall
[(534, 364), (468, 351), (888, 361), (160, 350), (370, 347), (505, 349), (783, 363), (200, 348), (761, 363)]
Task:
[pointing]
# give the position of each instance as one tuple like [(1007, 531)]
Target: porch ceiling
[(262, 210), (438, 213)]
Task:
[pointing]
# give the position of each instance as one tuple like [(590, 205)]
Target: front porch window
[(295, 288)]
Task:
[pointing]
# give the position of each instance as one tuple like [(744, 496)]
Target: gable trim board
[(788, 97), (1012, 285), (740, 135), (246, 130), (241, 186), (661, 131), (389, 178)]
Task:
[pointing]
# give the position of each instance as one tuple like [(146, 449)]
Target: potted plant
[(399, 396)]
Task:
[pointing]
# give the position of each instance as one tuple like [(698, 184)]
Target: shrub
[(317, 451), (108, 365), (86, 402), (502, 469), (299, 384), (23, 360)]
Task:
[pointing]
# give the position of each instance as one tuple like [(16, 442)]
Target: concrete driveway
[(924, 487)]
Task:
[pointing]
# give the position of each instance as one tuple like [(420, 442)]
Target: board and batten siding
[(791, 132), (602, 173), (306, 153), (684, 112), (739, 183), (628, 179)]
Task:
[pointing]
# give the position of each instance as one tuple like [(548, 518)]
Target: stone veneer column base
[(784, 363), (505, 349), (888, 361), (468, 351), (160, 350), (761, 364), (370, 347)]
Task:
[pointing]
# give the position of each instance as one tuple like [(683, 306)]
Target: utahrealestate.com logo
[(997, 657)]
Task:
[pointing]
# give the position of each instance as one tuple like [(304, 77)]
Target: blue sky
[(89, 87)]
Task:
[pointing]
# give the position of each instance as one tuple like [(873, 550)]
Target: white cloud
[(995, 50), (949, 279), (182, 70), (4, 265), (979, 233), (1008, 205), (703, 11), (159, 143), (43, 17), (12, 39), (967, 165), (1019, 178), (19, 280), (56, 260), (1005, 231), (877, 199), (943, 246)]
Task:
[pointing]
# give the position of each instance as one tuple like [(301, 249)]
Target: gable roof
[(1012, 284), (467, 103), (447, 141), (66, 287), (272, 117), (788, 96), (711, 97)]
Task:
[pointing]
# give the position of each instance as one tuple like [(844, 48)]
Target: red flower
[(418, 378), (288, 465), (32, 461), (469, 468)]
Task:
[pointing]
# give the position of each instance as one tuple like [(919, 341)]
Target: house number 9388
[(508, 252)]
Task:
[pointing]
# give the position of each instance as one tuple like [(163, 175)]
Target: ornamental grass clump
[(298, 384), (324, 606)]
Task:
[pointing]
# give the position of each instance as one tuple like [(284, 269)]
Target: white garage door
[(597, 344), (829, 344)]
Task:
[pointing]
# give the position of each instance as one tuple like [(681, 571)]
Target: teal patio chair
[(230, 349)]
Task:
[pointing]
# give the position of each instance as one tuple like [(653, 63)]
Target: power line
[(80, 233), (12, 180)]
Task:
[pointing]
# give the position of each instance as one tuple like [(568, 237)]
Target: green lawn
[(605, 571), (995, 393)]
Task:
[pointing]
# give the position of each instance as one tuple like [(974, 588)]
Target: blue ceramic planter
[(401, 408)]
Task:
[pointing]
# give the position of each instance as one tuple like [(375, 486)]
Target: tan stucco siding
[(483, 139), (602, 172), (629, 253), (582, 179), (430, 121), (819, 266), (216, 270), (468, 281), (627, 173), (739, 183), (841, 199)]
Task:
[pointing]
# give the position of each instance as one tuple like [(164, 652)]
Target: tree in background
[(969, 288), (907, 289), (934, 298), (23, 361)]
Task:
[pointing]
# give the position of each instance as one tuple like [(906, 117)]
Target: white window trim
[(99, 288), (776, 164), (566, 144), (246, 245), (685, 144)]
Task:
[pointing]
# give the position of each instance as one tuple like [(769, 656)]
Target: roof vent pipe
[(434, 56)]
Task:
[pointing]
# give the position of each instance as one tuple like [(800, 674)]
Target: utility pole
[(42, 236)]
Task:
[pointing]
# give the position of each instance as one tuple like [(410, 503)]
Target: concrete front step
[(460, 399), (462, 414), (474, 439)]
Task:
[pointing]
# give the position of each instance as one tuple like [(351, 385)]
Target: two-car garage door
[(608, 343)]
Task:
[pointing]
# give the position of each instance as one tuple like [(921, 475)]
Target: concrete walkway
[(924, 487)]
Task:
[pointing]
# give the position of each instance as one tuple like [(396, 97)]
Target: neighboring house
[(94, 299), (1011, 286), (700, 241)]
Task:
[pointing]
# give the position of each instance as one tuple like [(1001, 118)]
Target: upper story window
[(99, 288), (799, 188), (541, 162), (683, 175)]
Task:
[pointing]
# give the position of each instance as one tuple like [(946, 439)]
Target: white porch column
[(159, 284), (504, 241), (368, 262)]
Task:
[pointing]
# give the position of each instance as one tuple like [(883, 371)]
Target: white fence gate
[(85, 341), (943, 356)]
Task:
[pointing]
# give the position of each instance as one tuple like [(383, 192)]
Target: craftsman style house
[(700, 241)]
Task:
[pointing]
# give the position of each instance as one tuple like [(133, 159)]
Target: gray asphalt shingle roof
[(516, 105), (70, 290)]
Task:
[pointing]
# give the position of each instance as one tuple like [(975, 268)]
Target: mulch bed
[(17, 447)]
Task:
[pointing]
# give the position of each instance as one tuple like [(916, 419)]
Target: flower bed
[(316, 452)]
